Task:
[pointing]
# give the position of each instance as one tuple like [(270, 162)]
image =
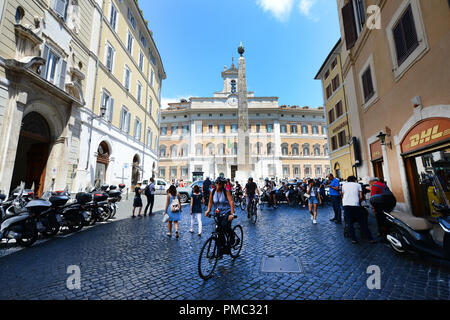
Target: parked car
[(161, 186)]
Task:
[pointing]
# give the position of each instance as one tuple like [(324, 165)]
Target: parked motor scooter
[(421, 235), (19, 222)]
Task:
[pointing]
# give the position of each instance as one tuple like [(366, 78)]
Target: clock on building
[(232, 100)]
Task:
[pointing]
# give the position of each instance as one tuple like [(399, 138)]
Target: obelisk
[(243, 158)]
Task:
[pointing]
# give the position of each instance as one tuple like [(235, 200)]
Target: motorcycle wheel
[(77, 226), (51, 231), (106, 214), (92, 220), (30, 235), (114, 211)]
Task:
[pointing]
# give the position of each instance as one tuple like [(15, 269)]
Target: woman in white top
[(314, 199)]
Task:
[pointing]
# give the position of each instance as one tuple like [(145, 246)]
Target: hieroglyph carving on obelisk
[(243, 130)]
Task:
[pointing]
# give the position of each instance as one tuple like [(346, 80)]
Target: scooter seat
[(415, 223)]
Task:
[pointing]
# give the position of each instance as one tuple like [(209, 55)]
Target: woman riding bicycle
[(224, 207)]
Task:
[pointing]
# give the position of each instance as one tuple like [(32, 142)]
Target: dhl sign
[(426, 133)]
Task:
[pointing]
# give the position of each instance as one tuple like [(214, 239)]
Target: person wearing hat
[(223, 203)]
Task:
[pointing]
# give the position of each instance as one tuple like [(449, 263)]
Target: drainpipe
[(145, 124), (95, 85)]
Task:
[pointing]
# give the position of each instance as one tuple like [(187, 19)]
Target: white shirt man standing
[(352, 196)]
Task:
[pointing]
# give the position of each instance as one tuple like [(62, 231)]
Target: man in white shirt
[(352, 195), (150, 194)]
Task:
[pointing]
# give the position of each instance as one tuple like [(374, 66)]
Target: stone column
[(10, 136)]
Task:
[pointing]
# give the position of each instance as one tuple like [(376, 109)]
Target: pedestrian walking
[(351, 200), (174, 212), (314, 199), (196, 209), (137, 202), (150, 194), (335, 198)]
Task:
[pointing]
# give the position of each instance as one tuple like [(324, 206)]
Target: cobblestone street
[(134, 259)]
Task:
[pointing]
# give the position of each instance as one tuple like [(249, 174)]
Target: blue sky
[(286, 42)]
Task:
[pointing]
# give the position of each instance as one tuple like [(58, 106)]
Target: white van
[(161, 186)]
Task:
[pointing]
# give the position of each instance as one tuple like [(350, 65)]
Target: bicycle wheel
[(207, 260), (243, 204), (235, 250), (253, 213)]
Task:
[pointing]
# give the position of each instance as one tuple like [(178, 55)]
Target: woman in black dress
[(137, 203)]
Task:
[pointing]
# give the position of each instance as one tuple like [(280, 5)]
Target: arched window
[(221, 148), (270, 148), (259, 148), (211, 149), (235, 148), (184, 150), (295, 149), (306, 149), (163, 151), (173, 151), (307, 170), (284, 149), (317, 150), (315, 130), (325, 149), (304, 129), (199, 149)]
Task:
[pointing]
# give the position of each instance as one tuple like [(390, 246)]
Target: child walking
[(196, 209), (137, 203)]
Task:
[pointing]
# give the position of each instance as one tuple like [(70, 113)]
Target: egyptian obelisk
[(244, 165)]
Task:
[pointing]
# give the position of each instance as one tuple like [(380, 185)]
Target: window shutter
[(111, 109), (62, 74), (60, 7), (399, 44), (128, 122), (348, 19), (45, 56)]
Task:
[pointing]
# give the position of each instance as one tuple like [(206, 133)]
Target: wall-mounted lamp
[(382, 137)]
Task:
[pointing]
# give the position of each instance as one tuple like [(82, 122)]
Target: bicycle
[(217, 245), (239, 201), (253, 210)]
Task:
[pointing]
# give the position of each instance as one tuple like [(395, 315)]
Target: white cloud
[(305, 7), (281, 9)]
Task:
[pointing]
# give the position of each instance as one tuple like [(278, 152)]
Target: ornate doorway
[(102, 163), (32, 153)]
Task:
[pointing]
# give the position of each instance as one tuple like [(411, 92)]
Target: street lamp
[(382, 137), (102, 114)]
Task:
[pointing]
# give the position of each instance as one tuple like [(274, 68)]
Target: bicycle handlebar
[(210, 215)]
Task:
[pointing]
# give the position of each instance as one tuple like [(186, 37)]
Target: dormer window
[(233, 86)]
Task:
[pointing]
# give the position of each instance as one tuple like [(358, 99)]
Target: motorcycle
[(98, 209), (115, 196), (428, 235), (70, 215), (19, 220)]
